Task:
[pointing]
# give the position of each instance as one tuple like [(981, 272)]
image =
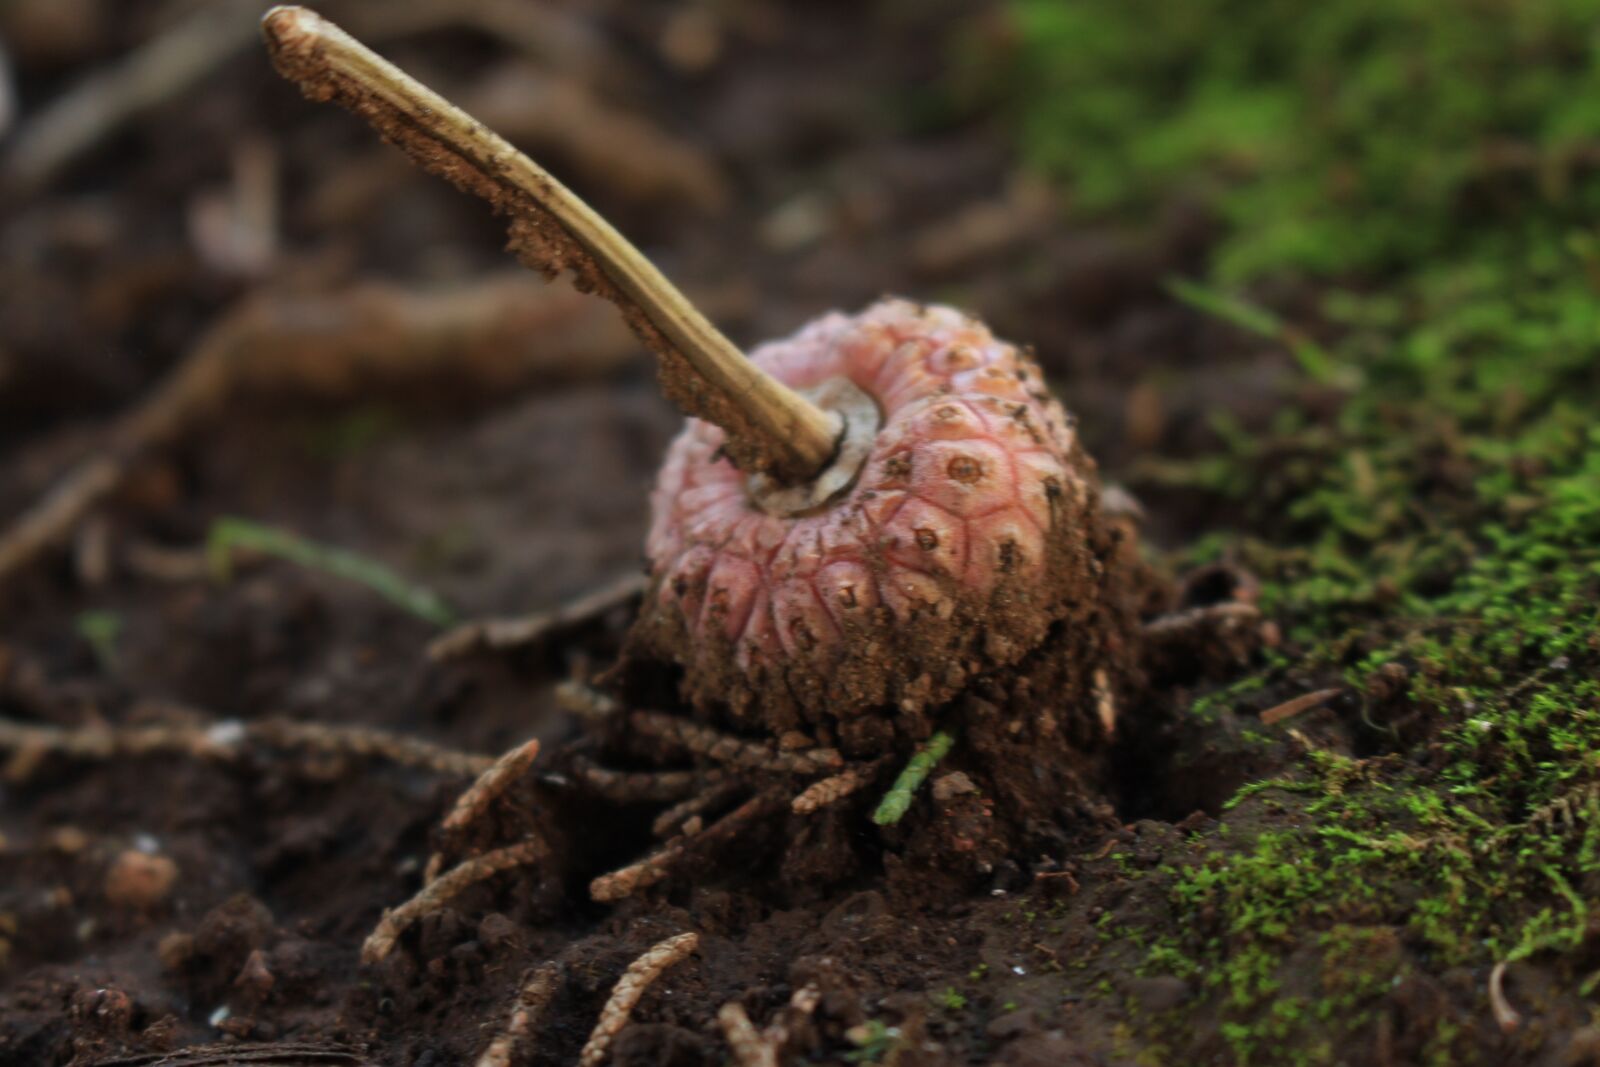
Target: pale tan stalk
[(770, 427)]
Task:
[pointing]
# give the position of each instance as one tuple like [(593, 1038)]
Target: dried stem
[(526, 1011), (635, 787), (658, 865), (630, 987), (448, 885), (770, 427), (226, 740), (677, 818), (469, 807), (733, 751), (828, 791), (502, 634)]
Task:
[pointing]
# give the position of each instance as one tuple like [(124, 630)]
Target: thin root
[(490, 785), (532, 999), (658, 865), (734, 751), (636, 787), (499, 635), (630, 987), (587, 702), (832, 790), (679, 817), (435, 894)]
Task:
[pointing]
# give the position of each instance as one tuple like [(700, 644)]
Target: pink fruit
[(959, 543)]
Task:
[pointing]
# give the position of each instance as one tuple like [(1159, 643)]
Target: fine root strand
[(490, 785), (435, 894), (534, 996), (639, 976), (502, 635)]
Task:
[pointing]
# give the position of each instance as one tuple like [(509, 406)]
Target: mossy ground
[(1408, 203)]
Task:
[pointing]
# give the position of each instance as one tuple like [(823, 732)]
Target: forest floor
[(1320, 288)]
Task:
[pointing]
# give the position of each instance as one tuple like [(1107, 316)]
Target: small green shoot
[(101, 630), (897, 801), (229, 534), (1252, 318), (873, 1039)]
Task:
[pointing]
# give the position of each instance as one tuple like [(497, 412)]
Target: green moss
[(1423, 506)]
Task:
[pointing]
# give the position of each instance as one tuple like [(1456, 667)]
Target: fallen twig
[(229, 534), (1304, 702), (502, 634), (226, 741), (435, 894), (630, 987), (532, 999), (897, 801), (770, 427), (469, 807), (493, 334)]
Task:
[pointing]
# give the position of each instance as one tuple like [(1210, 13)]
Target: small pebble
[(140, 880)]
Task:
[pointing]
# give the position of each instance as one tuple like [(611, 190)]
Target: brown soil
[(507, 500)]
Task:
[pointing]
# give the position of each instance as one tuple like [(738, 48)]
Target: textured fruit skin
[(966, 537)]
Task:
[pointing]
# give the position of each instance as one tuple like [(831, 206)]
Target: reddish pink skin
[(985, 447)]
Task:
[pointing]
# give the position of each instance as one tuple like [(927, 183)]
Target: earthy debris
[(630, 987), (140, 880), (436, 893)]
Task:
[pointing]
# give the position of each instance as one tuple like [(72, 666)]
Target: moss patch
[(1424, 504)]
